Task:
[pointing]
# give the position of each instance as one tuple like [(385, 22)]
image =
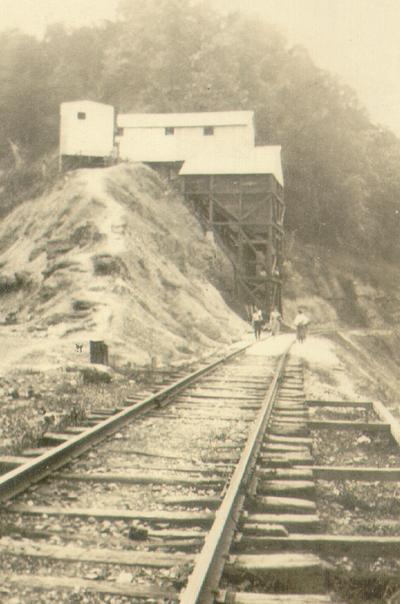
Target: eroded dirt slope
[(110, 254)]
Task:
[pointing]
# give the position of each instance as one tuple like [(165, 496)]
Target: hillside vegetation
[(342, 172)]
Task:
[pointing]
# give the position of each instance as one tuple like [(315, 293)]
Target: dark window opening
[(119, 131), (81, 115), (208, 131), (169, 131)]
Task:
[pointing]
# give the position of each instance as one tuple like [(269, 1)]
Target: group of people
[(300, 322)]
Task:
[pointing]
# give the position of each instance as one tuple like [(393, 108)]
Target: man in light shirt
[(301, 323)]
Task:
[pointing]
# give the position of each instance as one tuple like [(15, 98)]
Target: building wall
[(152, 144), (93, 135)]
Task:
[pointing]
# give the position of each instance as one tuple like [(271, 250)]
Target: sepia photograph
[(200, 302)]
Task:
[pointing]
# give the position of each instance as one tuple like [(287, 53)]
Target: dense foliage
[(342, 173)]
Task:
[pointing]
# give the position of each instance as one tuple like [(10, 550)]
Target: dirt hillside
[(340, 288), (110, 254)]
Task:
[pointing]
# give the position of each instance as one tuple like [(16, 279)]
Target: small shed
[(86, 133)]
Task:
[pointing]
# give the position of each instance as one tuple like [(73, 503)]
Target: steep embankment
[(357, 297), (114, 255), (341, 288)]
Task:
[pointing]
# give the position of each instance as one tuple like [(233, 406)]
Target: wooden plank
[(255, 522), (368, 545), (36, 452), (291, 416), (284, 504), (301, 573), (264, 598), (288, 487), (207, 470), (75, 429), (295, 440), (71, 553), (186, 518), (291, 457), (228, 397), (97, 418), (56, 437), (385, 415), (290, 419), (192, 500), (106, 412), (233, 408), (282, 429), (208, 417), (12, 461), (285, 447), (277, 562), (355, 473), (162, 536), (285, 473), (373, 427), (139, 478), (45, 582), (214, 385), (273, 530), (345, 404)]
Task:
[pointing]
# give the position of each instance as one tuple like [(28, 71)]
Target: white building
[(86, 129), (257, 160), (220, 142), (175, 137)]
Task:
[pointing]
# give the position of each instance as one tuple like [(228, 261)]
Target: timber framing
[(245, 212)]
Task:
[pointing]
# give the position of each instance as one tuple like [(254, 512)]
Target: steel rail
[(23, 476), (204, 580)]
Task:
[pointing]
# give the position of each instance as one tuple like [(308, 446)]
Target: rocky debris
[(34, 402), (137, 531), (97, 374)]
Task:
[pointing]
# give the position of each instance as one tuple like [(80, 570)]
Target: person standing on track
[(301, 323), (275, 319), (257, 321)]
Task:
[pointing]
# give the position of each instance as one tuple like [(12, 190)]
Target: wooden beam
[(192, 500), (139, 478), (367, 545), (184, 518), (285, 473), (225, 597), (283, 504), (12, 461), (355, 473), (255, 523), (373, 427), (302, 573), (299, 488), (129, 590), (35, 549), (345, 404)]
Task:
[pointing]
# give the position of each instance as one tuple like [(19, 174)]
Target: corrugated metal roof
[(179, 120), (259, 160)]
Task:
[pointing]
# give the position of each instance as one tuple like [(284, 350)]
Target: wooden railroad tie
[(174, 518)]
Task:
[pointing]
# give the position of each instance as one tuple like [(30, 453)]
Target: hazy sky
[(357, 39)]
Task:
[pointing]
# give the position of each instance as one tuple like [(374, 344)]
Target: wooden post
[(211, 202), (98, 352)]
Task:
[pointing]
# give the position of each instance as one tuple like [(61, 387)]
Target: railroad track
[(219, 493), (118, 521)]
